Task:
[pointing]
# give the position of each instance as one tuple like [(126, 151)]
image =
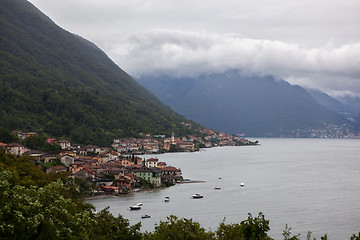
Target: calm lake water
[(309, 184)]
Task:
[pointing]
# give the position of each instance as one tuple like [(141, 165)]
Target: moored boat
[(135, 207), (145, 216), (167, 199), (197, 195)]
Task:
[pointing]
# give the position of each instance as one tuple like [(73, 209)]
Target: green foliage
[(250, 229), (145, 184), (174, 148), (354, 237), (179, 229), (44, 213), (308, 236), (39, 212), (6, 136), (39, 143), (287, 234), (23, 171), (54, 82), (108, 227)]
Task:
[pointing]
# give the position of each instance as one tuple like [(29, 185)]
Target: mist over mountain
[(57, 83), (233, 103), (332, 103)]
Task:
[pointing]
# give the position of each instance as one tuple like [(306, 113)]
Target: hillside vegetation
[(59, 84)]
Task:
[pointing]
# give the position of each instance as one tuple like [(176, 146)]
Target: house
[(67, 160), (85, 174), (161, 164), (51, 140), (152, 175), (110, 189), (35, 154), (3, 145), (127, 181), (55, 169), (75, 147), (126, 162), (64, 144), (170, 173), (49, 157), (16, 149), (70, 153), (151, 162), (30, 134), (92, 149), (187, 146)]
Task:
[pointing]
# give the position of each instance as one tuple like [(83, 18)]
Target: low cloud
[(178, 53)]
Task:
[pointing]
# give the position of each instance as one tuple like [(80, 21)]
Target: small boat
[(197, 196), (167, 199), (217, 188), (242, 184), (145, 216), (139, 204), (135, 207)]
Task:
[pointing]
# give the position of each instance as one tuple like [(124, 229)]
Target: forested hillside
[(59, 84)]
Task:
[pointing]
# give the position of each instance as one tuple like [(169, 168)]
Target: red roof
[(59, 167), (170, 169), (152, 160)]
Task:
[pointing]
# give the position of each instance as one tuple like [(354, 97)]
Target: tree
[(287, 234), (250, 229), (179, 229), (354, 237), (6, 136), (108, 227), (45, 213)]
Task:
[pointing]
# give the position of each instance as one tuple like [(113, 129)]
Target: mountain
[(230, 102), (352, 103), (57, 83), (332, 103)]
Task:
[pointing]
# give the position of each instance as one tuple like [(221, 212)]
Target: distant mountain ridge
[(230, 102), (57, 83), (333, 104)]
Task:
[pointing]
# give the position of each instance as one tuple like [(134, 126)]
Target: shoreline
[(104, 195)]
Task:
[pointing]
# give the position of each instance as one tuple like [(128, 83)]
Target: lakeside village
[(119, 169)]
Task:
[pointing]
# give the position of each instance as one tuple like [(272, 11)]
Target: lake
[(309, 184)]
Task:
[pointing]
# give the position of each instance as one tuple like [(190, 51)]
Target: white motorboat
[(242, 184), (167, 199), (135, 207), (197, 195)]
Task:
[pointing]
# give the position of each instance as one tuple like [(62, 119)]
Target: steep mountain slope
[(55, 82), (332, 104), (256, 106)]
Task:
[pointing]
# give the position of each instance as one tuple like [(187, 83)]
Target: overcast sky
[(312, 43)]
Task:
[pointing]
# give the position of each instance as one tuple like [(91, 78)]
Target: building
[(67, 160), (64, 144), (16, 149), (152, 175), (170, 174), (152, 162)]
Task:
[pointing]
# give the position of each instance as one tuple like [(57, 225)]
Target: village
[(120, 169)]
